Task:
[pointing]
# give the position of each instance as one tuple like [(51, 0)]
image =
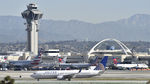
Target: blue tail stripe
[(103, 62)]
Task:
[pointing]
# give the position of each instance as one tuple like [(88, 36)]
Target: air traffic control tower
[(32, 15)]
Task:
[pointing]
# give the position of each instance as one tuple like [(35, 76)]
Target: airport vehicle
[(68, 74)]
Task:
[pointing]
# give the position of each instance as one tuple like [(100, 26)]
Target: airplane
[(69, 74), (61, 64), (26, 63), (77, 65), (129, 66), (52, 65)]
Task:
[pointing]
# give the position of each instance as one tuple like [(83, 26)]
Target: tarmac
[(126, 74), (109, 77)]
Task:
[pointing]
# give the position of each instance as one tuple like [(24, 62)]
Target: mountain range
[(134, 28)]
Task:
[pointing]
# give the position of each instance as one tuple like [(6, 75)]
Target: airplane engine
[(60, 78)]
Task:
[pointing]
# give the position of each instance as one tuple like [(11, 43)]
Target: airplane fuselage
[(55, 73), (132, 65)]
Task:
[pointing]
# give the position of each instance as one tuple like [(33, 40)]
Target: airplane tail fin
[(64, 60), (102, 64), (115, 60), (94, 61), (60, 60), (37, 59)]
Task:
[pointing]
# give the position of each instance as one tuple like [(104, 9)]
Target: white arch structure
[(124, 47)]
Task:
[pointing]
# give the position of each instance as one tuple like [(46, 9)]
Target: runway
[(81, 82), (109, 77), (126, 74)]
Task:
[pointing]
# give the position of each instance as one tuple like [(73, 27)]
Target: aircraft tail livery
[(94, 61), (115, 60), (37, 60), (102, 64)]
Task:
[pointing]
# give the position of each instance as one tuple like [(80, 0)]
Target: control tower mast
[(32, 15)]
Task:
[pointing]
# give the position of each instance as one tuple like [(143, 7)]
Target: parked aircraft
[(26, 63), (68, 74), (52, 65), (78, 65), (129, 66), (61, 64)]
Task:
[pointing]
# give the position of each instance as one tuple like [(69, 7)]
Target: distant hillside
[(134, 28)]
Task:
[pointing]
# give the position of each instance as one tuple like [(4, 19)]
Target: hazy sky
[(94, 11)]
